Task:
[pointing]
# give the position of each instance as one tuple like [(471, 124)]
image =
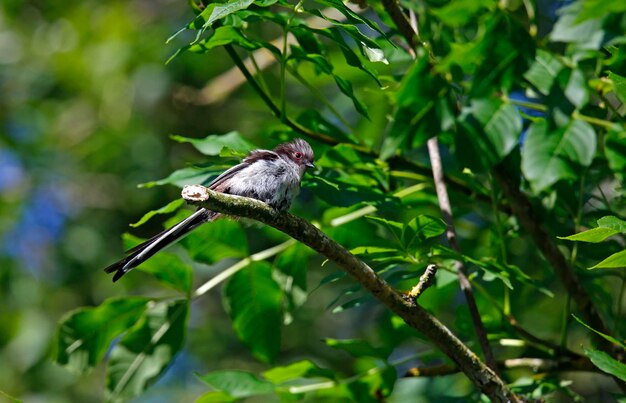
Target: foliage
[(532, 92)]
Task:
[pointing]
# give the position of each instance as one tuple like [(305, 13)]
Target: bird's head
[(298, 151)]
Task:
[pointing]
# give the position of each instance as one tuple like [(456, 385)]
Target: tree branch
[(426, 280), (414, 315), (528, 218), (537, 365), (466, 287)]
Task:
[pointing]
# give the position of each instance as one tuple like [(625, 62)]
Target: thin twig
[(426, 280), (537, 365), (446, 211), (485, 379)]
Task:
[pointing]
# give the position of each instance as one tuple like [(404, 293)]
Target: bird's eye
[(298, 155)]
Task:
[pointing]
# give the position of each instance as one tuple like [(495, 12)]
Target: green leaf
[(396, 228), (376, 382), (186, 176), (238, 384), (225, 35), (489, 130), (615, 150), (342, 194), (604, 336), (254, 302), (215, 241), (421, 105), (353, 303), (166, 267), (168, 208), (337, 35), (421, 228), (593, 235), (215, 397), (607, 363), (616, 260), (221, 10), (300, 369), (619, 85), (547, 157), (593, 9), (613, 223), (357, 348), (144, 353), (544, 71), (586, 35), (83, 336), (345, 86), (314, 120), (461, 12), (214, 143), (576, 90), (323, 65), (292, 274), (351, 17)]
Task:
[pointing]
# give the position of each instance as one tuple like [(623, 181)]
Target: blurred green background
[(87, 107)]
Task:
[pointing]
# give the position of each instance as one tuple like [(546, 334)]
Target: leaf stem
[(262, 255)]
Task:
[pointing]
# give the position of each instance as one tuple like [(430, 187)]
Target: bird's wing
[(217, 183), (224, 176)]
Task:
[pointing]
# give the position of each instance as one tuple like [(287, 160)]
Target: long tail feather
[(145, 250)]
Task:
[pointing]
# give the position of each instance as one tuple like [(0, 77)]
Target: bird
[(270, 176)]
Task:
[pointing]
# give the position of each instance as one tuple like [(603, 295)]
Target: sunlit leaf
[(214, 143), (186, 176), (237, 384), (613, 223), (593, 235), (84, 335), (168, 208), (144, 353), (300, 369), (616, 260)]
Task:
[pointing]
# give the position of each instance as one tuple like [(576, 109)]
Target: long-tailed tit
[(270, 176)]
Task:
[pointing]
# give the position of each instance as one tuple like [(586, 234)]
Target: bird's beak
[(309, 165)]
